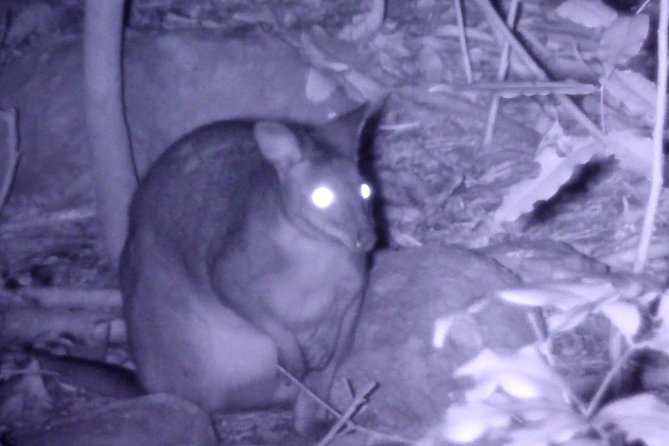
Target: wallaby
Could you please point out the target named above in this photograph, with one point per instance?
(247, 249)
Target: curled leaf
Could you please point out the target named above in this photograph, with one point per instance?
(523, 375)
(442, 327)
(555, 170)
(560, 294)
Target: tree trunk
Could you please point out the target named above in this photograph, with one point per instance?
(109, 139)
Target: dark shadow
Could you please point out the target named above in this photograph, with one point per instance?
(576, 188)
(369, 172)
(624, 5)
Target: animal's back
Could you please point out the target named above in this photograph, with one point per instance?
(196, 189)
(174, 318)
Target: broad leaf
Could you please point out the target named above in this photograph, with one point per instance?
(633, 91)
(523, 375)
(624, 315)
(643, 417)
(634, 151)
(622, 40)
(589, 13)
(469, 422)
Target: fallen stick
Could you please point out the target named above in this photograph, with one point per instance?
(52, 297)
(21, 325)
(346, 422)
(13, 154)
(361, 399)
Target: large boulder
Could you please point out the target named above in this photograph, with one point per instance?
(174, 82)
(409, 291)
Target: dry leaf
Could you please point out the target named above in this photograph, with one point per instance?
(555, 171)
(430, 64)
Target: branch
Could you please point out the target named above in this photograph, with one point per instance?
(502, 71)
(13, 154)
(335, 412)
(498, 24)
(463, 42)
(361, 399)
(658, 139)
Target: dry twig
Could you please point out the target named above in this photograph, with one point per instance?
(463, 41)
(64, 216)
(501, 75)
(361, 399)
(658, 138)
(534, 88)
(349, 424)
(54, 297)
(28, 325)
(498, 24)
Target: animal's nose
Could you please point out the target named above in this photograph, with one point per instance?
(365, 240)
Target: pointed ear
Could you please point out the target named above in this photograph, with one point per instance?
(344, 132)
(278, 144)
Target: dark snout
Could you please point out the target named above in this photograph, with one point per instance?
(365, 239)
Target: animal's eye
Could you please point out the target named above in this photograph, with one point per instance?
(322, 197)
(365, 191)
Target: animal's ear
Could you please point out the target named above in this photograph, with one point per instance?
(278, 144)
(344, 132)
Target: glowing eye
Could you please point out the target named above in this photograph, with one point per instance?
(322, 197)
(365, 191)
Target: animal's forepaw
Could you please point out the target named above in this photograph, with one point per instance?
(317, 355)
(310, 420)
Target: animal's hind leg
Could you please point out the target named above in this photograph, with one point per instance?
(192, 346)
(243, 362)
